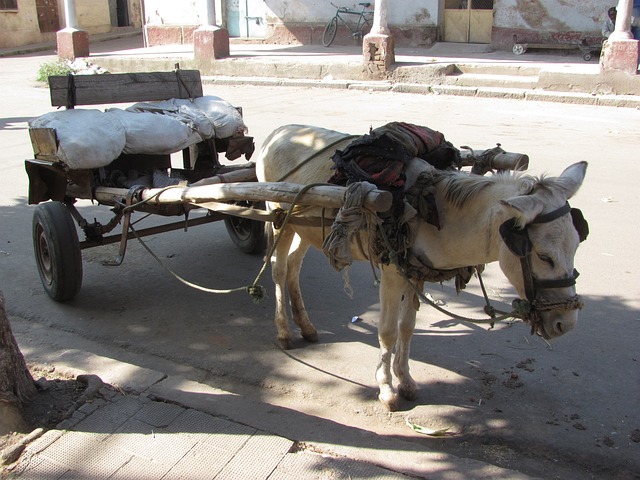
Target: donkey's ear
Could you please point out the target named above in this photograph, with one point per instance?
(571, 179)
(523, 208)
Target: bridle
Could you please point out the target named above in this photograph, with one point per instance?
(519, 243)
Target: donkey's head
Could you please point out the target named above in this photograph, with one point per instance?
(540, 239)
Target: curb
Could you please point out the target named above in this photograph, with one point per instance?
(622, 101)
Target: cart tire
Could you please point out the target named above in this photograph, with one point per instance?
(587, 56)
(248, 235)
(57, 251)
(329, 33)
(518, 49)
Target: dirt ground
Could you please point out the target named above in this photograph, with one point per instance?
(58, 392)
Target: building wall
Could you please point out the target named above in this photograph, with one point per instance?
(412, 22)
(545, 21)
(21, 27)
(172, 22)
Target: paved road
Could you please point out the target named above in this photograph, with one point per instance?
(571, 414)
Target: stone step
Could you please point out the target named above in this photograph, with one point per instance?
(511, 69)
(493, 80)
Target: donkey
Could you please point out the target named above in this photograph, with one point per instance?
(524, 223)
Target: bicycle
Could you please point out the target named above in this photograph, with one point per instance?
(364, 20)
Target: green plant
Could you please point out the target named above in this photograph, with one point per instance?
(56, 67)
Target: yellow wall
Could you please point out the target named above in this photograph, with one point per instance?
(21, 27)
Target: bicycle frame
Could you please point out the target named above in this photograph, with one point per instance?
(364, 19)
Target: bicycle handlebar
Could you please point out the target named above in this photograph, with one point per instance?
(347, 10)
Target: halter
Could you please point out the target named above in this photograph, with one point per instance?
(518, 242)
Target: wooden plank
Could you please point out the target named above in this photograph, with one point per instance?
(328, 196)
(44, 143)
(124, 87)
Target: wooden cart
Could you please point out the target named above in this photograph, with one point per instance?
(586, 50)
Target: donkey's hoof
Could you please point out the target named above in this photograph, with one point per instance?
(389, 401)
(311, 337)
(285, 343)
(408, 391)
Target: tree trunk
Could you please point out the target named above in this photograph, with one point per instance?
(16, 384)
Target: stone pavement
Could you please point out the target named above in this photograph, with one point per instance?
(132, 437)
(145, 425)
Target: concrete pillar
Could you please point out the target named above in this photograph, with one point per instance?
(71, 42)
(210, 41)
(622, 30)
(378, 49)
(621, 52)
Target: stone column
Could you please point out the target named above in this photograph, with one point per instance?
(378, 46)
(71, 41)
(210, 41)
(621, 52)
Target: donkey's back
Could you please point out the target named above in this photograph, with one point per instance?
(287, 149)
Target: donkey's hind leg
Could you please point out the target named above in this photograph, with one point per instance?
(279, 275)
(298, 310)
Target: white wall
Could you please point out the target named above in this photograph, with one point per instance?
(551, 15)
(172, 12)
(401, 12)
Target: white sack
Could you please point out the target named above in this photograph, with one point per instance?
(86, 138)
(182, 110)
(211, 116)
(226, 119)
(153, 133)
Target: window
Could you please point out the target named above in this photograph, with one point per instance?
(8, 4)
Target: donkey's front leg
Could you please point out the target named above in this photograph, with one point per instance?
(395, 302)
(407, 323)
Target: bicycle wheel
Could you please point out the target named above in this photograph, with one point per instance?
(366, 26)
(330, 32)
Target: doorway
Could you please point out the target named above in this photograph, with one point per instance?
(48, 18)
(245, 18)
(119, 13)
(468, 21)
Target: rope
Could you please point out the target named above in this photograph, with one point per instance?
(285, 221)
(251, 289)
(255, 291)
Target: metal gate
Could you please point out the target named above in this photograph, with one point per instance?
(245, 18)
(468, 21)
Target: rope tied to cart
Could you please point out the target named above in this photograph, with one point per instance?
(256, 291)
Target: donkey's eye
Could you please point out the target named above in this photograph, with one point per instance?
(546, 259)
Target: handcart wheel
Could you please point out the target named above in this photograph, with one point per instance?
(57, 250)
(248, 235)
(587, 56)
(518, 49)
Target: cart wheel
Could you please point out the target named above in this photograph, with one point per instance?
(518, 49)
(57, 250)
(587, 56)
(247, 235)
